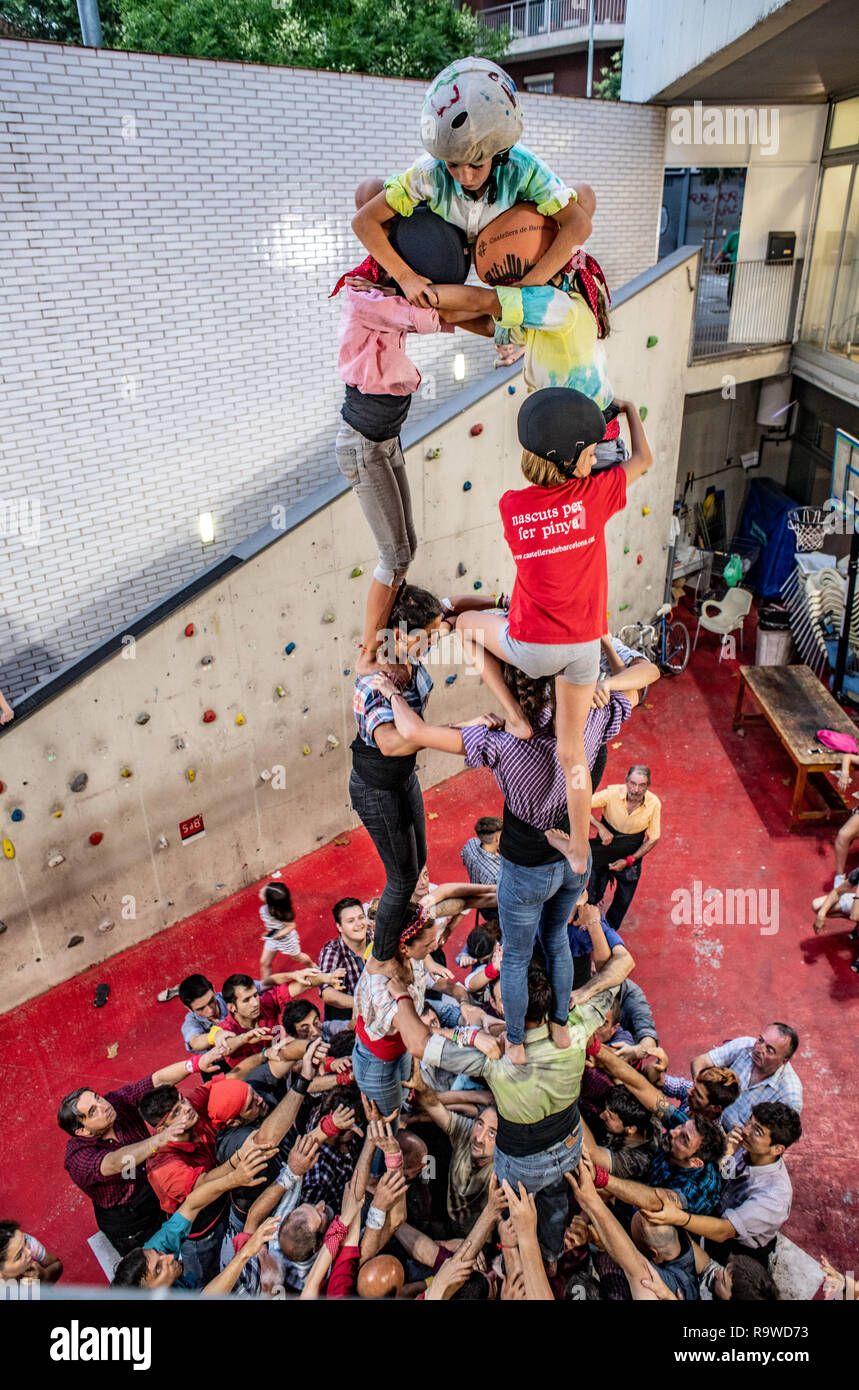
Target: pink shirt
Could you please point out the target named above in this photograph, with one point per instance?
(373, 327)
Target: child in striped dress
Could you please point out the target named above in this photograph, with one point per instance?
(280, 934)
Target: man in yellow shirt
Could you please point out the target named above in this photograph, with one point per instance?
(629, 829)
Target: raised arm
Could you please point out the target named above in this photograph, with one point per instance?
(226, 1281)
(698, 1063)
(277, 1124)
(622, 1074)
(412, 729)
(641, 457)
(614, 1239)
(475, 299)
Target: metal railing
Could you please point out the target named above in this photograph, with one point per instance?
(527, 18)
(742, 306)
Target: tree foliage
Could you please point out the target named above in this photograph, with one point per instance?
(394, 38)
(56, 20)
(608, 86)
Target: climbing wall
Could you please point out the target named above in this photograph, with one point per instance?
(215, 748)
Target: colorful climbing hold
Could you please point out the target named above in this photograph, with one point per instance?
(432, 453)
(2, 786)
(333, 741)
(511, 390)
(265, 775)
(638, 559)
(643, 412)
(78, 783)
(329, 618)
(190, 774)
(143, 718)
(57, 812)
(645, 511)
(306, 749)
(461, 570)
(8, 849)
(449, 680)
(50, 754)
(189, 630)
(126, 772)
(55, 859)
(240, 719)
(476, 429)
(621, 608)
(96, 837)
(74, 941)
(357, 572)
(289, 648)
(626, 550)
(466, 487)
(652, 340)
(206, 660)
(347, 670)
(17, 814)
(279, 691)
(162, 842)
(209, 717)
(478, 584)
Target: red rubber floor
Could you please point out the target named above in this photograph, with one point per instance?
(725, 802)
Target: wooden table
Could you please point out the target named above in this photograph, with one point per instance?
(795, 705)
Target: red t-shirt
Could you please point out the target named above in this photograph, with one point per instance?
(173, 1171)
(271, 1006)
(557, 536)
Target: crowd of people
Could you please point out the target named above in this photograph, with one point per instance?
(378, 1122)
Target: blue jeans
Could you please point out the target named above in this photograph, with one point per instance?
(394, 820)
(201, 1258)
(378, 1080)
(531, 902)
(543, 1174)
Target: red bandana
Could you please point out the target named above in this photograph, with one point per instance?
(369, 269)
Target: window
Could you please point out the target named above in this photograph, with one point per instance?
(844, 125)
(540, 82)
(831, 209)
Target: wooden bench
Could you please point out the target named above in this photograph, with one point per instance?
(795, 705)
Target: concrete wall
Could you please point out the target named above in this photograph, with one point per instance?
(174, 226)
(664, 42)
(282, 595)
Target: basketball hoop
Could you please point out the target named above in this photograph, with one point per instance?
(811, 526)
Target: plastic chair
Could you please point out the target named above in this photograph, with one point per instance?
(726, 616)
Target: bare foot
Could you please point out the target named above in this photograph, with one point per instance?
(518, 727)
(366, 664)
(560, 841)
(516, 1052)
(559, 1033)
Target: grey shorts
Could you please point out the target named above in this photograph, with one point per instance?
(610, 451)
(577, 662)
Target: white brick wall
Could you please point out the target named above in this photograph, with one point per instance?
(171, 230)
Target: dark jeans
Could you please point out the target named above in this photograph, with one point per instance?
(130, 1224)
(201, 1258)
(394, 820)
(626, 882)
(599, 766)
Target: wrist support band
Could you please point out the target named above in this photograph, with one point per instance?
(630, 860)
(491, 971)
(300, 1085)
(600, 1177)
(328, 1126)
(334, 1237)
(375, 1219)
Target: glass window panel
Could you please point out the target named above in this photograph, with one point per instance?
(844, 332)
(844, 130)
(824, 253)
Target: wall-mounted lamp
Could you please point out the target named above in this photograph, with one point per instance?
(459, 367)
(207, 528)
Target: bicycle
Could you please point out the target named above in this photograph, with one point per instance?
(663, 642)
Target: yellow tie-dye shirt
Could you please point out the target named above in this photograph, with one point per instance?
(560, 335)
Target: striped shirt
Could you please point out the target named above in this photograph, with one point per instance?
(85, 1155)
(783, 1085)
(372, 708)
(480, 865)
(528, 771)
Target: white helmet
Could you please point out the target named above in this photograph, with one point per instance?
(470, 113)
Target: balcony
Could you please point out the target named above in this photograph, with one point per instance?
(743, 306)
(556, 26)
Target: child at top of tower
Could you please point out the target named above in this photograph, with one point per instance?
(474, 169)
